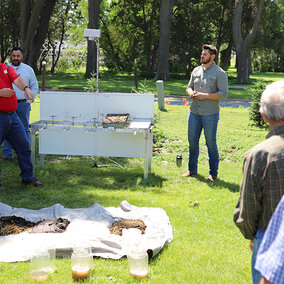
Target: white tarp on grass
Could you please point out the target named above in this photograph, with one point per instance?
(88, 225)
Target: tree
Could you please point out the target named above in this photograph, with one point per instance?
(130, 33)
(94, 10)
(190, 30)
(34, 25)
(9, 31)
(243, 45)
(58, 25)
(222, 23)
(166, 12)
(268, 47)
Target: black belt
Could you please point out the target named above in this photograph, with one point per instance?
(6, 112)
(21, 100)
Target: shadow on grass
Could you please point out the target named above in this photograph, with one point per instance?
(75, 184)
(111, 173)
(233, 187)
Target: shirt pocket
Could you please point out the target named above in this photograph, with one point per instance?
(211, 77)
(211, 80)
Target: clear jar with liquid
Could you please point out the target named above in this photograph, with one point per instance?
(80, 263)
(138, 262)
(39, 266)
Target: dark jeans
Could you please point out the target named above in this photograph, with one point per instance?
(12, 129)
(209, 124)
(23, 111)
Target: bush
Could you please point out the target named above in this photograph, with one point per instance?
(254, 114)
(91, 85)
(62, 65)
(76, 63)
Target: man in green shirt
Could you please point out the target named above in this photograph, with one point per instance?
(207, 86)
(263, 174)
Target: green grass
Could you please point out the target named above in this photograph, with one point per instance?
(123, 82)
(206, 246)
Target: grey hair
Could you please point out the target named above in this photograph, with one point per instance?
(272, 101)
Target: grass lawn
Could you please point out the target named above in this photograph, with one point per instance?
(206, 246)
(123, 82)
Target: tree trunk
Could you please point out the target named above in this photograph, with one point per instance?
(243, 66)
(37, 29)
(188, 66)
(226, 56)
(148, 40)
(166, 12)
(24, 19)
(94, 10)
(243, 45)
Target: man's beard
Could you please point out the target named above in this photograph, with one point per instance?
(16, 62)
(205, 61)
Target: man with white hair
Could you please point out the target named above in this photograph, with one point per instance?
(262, 186)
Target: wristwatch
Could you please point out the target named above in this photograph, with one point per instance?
(26, 87)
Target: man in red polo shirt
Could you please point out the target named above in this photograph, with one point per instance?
(11, 127)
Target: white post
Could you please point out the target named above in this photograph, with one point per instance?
(98, 52)
(160, 92)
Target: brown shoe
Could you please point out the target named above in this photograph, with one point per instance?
(211, 179)
(33, 182)
(188, 174)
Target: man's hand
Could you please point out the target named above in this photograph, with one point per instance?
(28, 94)
(199, 96)
(7, 92)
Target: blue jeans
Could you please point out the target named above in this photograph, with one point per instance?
(209, 124)
(23, 111)
(256, 275)
(12, 129)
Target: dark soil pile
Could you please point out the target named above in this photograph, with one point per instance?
(118, 226)
(15, 225)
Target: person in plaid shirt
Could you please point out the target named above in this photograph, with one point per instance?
(262, 185)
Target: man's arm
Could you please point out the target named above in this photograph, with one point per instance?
(22, 85)
(34, 83)
(190, 87)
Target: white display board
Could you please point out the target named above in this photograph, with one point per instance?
(71, 124)
(67, 106)
(83, 106)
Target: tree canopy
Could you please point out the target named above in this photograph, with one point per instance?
(159, 38)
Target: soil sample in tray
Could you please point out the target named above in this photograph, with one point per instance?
(116, 120)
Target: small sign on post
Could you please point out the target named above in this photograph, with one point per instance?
(160, 92)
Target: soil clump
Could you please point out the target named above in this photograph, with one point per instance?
(118, 226)
(15, 225)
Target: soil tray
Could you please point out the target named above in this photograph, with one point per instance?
(116, 120)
